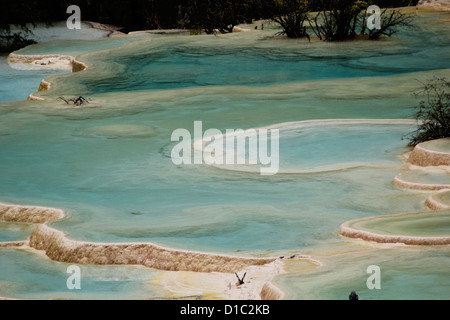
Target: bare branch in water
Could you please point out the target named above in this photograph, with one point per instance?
(78, 101)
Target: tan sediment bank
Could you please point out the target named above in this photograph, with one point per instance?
(423, 156)
(43, 86)
(8, 244)
(419, 156)
(29, 214)
(50, 60)
(434, 202)
(348, 230)
(59, 248)
(426, 156)
(270, 292)
(44, 60)
(438, 5)
(188, 265)
(398, 180)
(216, 285)
(258, 281)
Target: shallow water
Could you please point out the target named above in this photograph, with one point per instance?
(36, 277)
(15, 231)
(429, 176)
(29, 80)
(418, 224)
(108, 164)
(406, 273)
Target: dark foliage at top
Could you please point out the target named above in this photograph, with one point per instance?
(208, 15)
(13, 41)
(138, 14)
(317, 5)
(212, 15)
(338, 19)
(346, 19)
(152, 14)
(291, 15)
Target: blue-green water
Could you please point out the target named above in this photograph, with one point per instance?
(108, 164)
(15, 231)
(176, 63)
(38, 278)
(19, 80)
(405, 274)
(29, 80)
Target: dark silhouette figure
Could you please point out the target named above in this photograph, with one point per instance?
(353, 296)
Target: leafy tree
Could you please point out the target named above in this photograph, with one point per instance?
(338, 18)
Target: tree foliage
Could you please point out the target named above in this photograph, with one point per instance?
(433, 113)
(291, 15)
(23, 15)
(340, 20)
(215, 16)
(391, 20)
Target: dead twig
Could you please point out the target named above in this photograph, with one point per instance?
(78, 101)
(241, 281)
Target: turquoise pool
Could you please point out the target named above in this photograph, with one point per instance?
(108, 163)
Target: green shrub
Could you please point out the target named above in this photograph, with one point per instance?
(433, 113)
(291, 15)
(338, 19)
